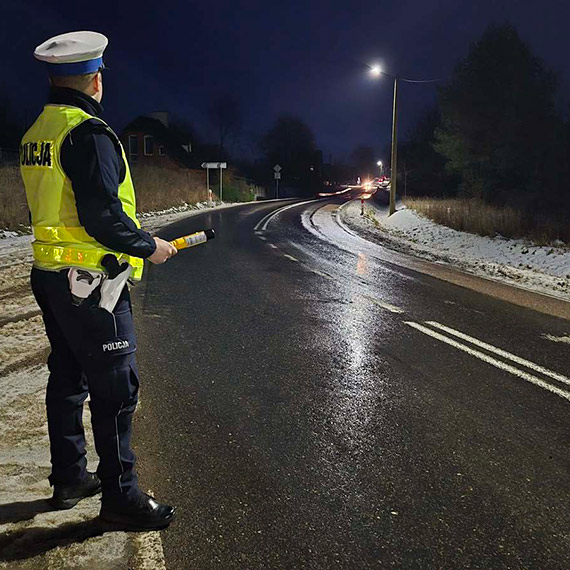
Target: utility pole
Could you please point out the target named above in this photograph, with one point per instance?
(394, 164)
(376, 71)
(221, 189)
(208, 191)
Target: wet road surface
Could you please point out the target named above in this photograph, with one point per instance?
(307, 402)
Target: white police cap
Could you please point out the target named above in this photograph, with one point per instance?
(75, 53)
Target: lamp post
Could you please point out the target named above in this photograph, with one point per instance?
(379, 163)
(376, 71)
(394, 159)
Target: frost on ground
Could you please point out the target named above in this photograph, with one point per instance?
(545, 269)
(31, 535)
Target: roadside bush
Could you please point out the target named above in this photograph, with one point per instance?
(161, 188)
(237, 189)
(475, 216)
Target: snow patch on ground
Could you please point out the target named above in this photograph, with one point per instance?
(33, 536)
(153, 221)
(545, 269)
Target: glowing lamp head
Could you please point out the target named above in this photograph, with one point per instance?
(375, 71)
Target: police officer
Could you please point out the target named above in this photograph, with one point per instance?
(82, 204)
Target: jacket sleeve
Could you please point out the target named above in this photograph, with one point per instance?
(90, 160)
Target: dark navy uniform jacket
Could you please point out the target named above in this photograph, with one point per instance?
(92, 159)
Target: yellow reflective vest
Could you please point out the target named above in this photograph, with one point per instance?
(60, 240)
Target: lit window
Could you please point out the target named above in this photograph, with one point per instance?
(133, 147)
(148, 145)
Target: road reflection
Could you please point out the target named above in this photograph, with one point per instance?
(356, 425)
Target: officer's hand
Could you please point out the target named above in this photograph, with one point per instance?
(163, 251)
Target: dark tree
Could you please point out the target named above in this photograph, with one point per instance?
(10, 132)
(338, 173)
(364, 160)
(225, 115)
(422, 168)
(183, 131)
(500, 131)
(291, 144)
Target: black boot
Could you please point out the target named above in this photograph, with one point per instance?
(67, 496)
(141, 513)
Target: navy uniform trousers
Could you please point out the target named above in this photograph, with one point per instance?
(92, 352)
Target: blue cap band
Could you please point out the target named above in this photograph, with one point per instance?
(79, 68)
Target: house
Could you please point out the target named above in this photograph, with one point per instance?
(148, 140)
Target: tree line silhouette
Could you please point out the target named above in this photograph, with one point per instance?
(496, 133)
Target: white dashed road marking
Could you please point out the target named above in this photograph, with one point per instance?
(564, 339)
(321, 274)
(387, 306)
(290, 257)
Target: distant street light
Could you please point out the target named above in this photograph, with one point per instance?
(376, 71)
(379, 163)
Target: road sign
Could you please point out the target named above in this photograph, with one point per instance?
(277, 168)
(214, 165)
(277, 175)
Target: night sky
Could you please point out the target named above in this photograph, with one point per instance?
(305, 58)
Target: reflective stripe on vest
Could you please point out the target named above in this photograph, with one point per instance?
(76, 256)
(60, 240)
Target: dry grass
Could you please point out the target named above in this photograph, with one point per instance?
(13, 205)
(161, 188)
(156, 189)
(475, 216)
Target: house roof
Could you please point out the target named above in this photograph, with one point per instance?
(166, 136)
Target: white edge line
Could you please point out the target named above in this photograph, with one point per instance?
(503, 353)
(262, 224)
(489, 360)
(149, 551)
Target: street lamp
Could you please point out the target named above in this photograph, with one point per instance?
(379, 163)
(376, 71)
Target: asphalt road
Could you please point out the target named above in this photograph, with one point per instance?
(307, 402)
